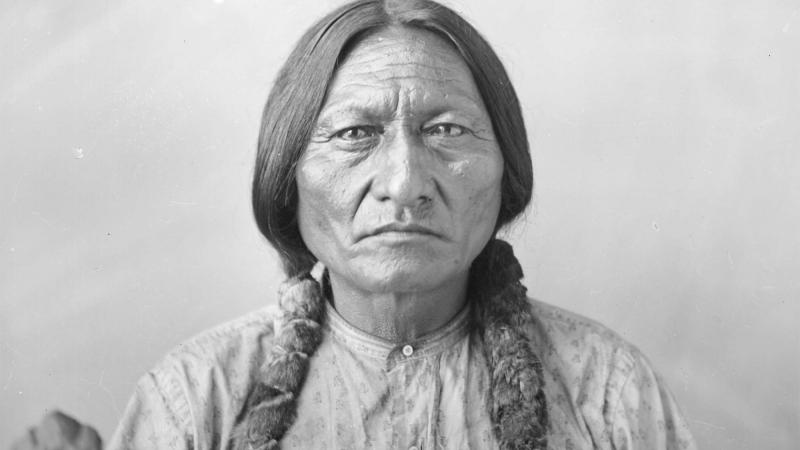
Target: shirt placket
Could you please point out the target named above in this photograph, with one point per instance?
(403, 370)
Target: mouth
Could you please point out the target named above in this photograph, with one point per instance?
(400, 229)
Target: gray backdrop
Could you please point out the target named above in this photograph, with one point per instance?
(667, 205)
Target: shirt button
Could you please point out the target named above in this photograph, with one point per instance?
(413, 447)
(408, 351)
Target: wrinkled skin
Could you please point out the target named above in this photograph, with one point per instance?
(399, 188)
(58, 431)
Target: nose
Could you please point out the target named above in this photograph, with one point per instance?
(404, 173)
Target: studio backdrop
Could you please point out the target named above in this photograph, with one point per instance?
(667, 203)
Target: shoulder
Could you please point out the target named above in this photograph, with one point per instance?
(586, 360)
(598, 381)
(575, 340)
(211, 373)
(192, 396)
(229, 350)
(228, 342)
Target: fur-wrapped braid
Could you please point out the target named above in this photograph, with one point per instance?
(271, 406)
(500, 314)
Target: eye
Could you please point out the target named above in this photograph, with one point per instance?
(356, 133)
(446, 130)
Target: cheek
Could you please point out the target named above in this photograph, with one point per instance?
(479, 190)
(316, 201)
(323, 199)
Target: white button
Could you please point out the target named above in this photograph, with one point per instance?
(408, 351)
(413, 447)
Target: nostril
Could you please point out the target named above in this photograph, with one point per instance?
(403, 177)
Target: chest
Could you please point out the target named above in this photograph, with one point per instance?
(350, 400)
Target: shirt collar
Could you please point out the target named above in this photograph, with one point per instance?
(365, 344)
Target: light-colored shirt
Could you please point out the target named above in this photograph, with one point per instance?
(364, 392)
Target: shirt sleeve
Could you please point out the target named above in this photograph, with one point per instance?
(157, 416)
(646, 416)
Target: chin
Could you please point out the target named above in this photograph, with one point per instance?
(406, 275)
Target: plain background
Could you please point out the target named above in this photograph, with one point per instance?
(667, 205)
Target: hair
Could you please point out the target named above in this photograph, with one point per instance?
(299, 93)
(501, 320)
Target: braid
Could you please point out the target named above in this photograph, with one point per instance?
(500, 316)
(271, 406)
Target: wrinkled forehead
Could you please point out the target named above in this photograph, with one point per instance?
(400, 56)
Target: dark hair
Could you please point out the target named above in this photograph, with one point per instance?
(299, 93)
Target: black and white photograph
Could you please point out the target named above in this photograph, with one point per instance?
(399, 224)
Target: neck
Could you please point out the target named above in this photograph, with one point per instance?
(399, 316)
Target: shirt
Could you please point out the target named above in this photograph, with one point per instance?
(364, 392)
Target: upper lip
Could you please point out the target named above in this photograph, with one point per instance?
(402, 228)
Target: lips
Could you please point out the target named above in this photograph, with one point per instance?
(409, 228)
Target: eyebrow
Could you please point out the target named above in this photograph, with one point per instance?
(372, 108)
(328, 115)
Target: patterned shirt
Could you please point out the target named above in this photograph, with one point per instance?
(364, 392)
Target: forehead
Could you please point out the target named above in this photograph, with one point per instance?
(404, 58)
